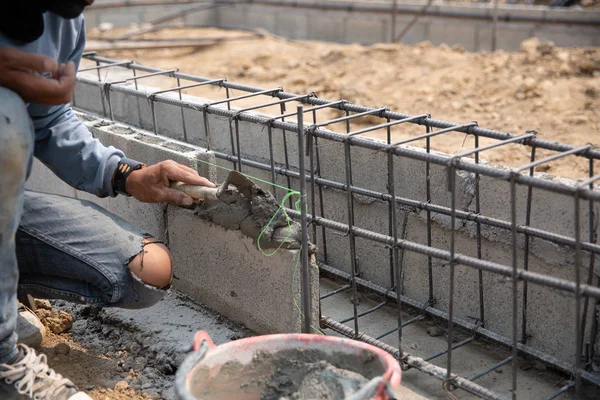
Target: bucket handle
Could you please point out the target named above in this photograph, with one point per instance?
(202, 336)
(202, 345)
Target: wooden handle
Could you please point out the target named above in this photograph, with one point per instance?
(196, 192)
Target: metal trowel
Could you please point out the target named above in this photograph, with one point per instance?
(201, 193)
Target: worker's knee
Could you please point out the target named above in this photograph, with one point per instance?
(152, 275)
(153, 265)
(16, 137)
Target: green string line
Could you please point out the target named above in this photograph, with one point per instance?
(281, 208)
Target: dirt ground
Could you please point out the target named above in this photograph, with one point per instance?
(555, 91)
(115, 354)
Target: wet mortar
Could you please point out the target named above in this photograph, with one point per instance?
(295, 374)
(245, 206)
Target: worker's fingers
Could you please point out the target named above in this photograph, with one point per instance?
(167, 195)
(185, 167)
(37, 89)
(171, 171)
(20, 60)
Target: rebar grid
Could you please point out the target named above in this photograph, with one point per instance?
(395, 239)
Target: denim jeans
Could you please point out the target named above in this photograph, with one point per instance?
(54, 246)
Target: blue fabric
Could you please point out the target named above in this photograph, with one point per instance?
(62, 142)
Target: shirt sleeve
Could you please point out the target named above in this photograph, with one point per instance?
(67, 147)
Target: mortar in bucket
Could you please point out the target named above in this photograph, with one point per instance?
(287, 366)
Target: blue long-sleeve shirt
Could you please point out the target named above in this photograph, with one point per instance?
(62, 142)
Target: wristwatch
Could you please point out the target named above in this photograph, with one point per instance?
(124, 168)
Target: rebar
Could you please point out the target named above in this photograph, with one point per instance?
(400, 206)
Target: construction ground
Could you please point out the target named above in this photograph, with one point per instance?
(119, 354)
(555, 91)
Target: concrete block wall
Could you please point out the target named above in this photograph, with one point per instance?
(550, 212)
(222, 269)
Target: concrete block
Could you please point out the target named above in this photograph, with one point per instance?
(42, 179)
(88, 97)
(148, 218)
(225, 271)
(150, 149)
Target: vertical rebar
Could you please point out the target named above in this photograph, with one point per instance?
(351, 239)
(285, 152)
(515, 352)
(230, 128)
(452, 188)
(271, 158)
(306, 293)
(479, 251)
(428, 194)
(207, 128)
(592, 239)
(238, 151)
(185, 138)
(578, 342)
(313, 202)
(391, 208)
(526, 253)
(395, 265)
(321, 205)
(101, 92)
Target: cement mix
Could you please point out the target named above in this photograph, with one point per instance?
(293, 374)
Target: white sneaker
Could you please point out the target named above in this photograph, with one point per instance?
(30, 377)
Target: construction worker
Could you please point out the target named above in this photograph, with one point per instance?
(52, 246)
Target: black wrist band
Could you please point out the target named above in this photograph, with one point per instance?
(124, 168)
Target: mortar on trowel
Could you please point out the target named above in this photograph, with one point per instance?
(240, 204)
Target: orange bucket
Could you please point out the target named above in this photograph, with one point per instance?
(277, 366)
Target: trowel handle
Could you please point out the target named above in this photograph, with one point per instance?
(196, 192)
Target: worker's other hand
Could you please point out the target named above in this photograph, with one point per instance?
(22, 73)
(151, 184)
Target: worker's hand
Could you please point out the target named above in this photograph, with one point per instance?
(22, 72)
(151, 184)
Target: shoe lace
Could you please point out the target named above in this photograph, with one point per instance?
(33, 377)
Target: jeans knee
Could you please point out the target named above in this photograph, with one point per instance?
(153, 265)
(16, 135)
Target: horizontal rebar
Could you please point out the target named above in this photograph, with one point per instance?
(347, 106)
(348, 117)
(463, 215)
(389, 124)
(456, 128)
(137, 78)
(414, 362)
(193, 85)
(494, 145)
(464, 324)
(484, 265)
